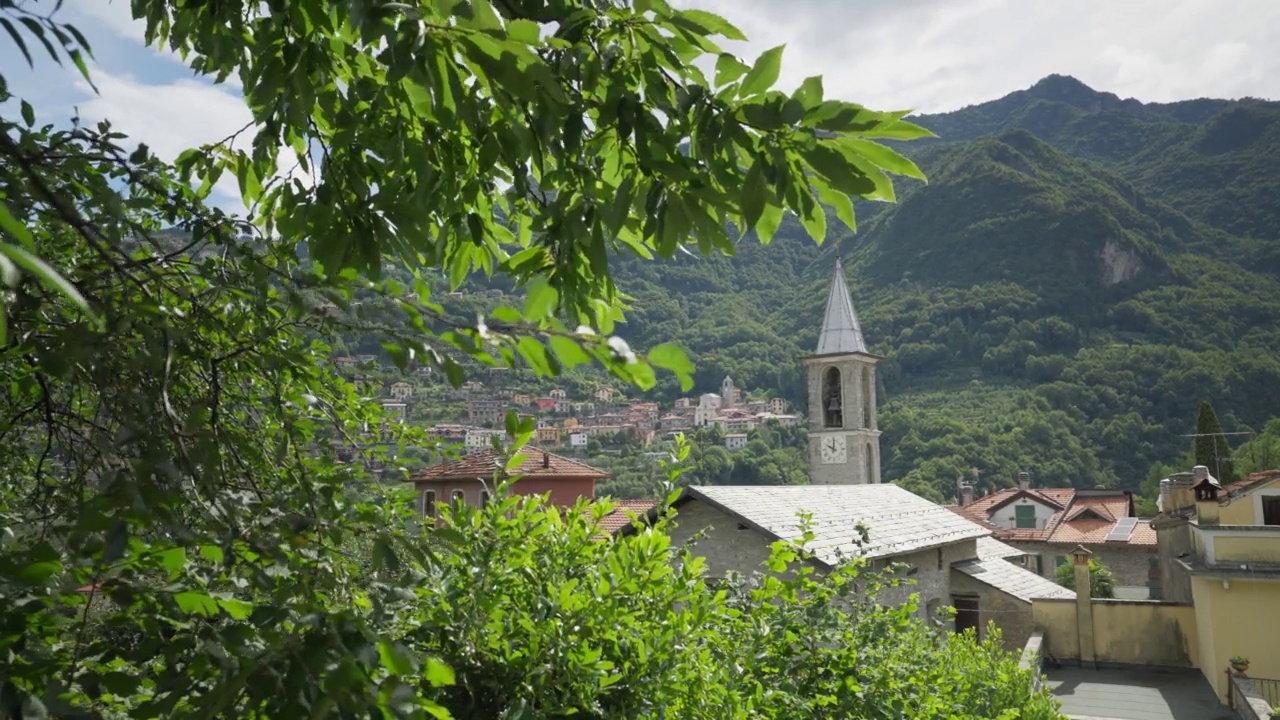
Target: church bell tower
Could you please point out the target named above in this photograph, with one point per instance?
(844, 440)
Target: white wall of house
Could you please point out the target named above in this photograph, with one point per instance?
(1006, 516)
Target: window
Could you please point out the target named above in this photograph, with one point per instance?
(832, 402)
(1060, 561)
(458, 496)
(484, 498)
(1024, 516)
(1038, 564)
(939, 558)
(428, 503)
(867, 398)
(1271, 509)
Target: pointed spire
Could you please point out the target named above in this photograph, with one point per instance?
(841, 332)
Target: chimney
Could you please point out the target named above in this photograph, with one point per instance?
(1205, 487)
(966, 494)
(1024, 480)
(1180, 494)
(546, 460)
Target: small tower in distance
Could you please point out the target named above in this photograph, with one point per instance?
(726, 391)
(844, 439)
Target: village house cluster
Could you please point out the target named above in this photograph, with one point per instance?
(571, 422)
(1195, 587)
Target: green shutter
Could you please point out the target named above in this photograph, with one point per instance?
(1025, 516)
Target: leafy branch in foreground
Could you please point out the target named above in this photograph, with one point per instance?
(180, 536)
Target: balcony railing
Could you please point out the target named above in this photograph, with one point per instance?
(1253, 698)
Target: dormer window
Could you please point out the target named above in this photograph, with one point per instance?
(1024, 516)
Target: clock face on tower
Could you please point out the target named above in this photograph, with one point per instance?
(832, 450)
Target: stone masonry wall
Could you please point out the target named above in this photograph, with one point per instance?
(1011, 615)
(1175, 541)
(1130, 564)
(724, 546)
(727, 547)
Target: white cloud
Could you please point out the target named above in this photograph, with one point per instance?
(931, 55)
(937, 55)
(173, 117)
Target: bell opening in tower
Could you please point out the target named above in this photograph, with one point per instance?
(866, 397)
(832, 409)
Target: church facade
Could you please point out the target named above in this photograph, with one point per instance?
(844, 438)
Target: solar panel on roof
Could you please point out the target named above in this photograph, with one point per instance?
(1122, 530)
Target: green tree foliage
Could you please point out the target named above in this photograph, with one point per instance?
(1261, 452)
(1102, 583)
(538, 618)
(774, 455)
(1210, 445)
(188, 526)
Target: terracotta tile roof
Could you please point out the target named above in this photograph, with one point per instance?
(621, 515)
(978, 517)
(1095, 509)
(1082, 516)
(536, 463)
(1240, 486)
(1143, 534)
(1082, 531)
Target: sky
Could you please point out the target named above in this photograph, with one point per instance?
(927, 55)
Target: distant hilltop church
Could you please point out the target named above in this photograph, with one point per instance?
(844, 439)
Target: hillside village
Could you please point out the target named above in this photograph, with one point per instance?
(565, 421)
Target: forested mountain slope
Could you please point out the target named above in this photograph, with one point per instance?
(1079, 273)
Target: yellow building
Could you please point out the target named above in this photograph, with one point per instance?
(1222, 548)
(548, 435)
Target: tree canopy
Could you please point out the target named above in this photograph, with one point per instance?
(187, 525)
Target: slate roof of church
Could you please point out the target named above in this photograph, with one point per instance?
(536, 463)
(1013, 580)
(841, 332)
(990, 548)
(897, 520)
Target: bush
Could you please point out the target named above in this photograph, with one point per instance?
(539, 617)
(1101, 582)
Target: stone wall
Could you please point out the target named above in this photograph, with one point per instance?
(1125, 632)
(726, 545)
(1010, 614)
(1174, 540)
(932, 578)
(1057, 618)
(1130, 564)
(1144, 632)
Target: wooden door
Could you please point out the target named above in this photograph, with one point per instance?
(966, 614)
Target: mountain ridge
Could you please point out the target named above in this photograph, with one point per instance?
(1055, 297)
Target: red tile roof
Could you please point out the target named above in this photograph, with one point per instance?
(1240, 486)
(622, 513)
(1080, 517)
(536, 463)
